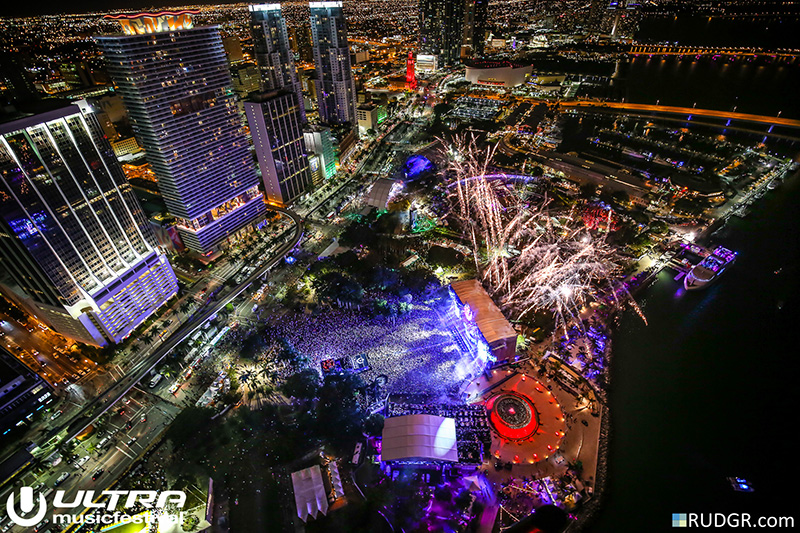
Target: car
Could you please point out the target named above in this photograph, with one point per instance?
(56, 414)
(126, 401)
(129, 424)
(121, 412)
(97, 474)
(41, 525)
(60, 479)
(131, 441)
(82, 461)
(144, 419)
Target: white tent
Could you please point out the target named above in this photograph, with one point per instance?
(378, 195)
(309, 493)
(336, 480)
(419, 437)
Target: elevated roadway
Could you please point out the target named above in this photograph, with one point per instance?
(686, 111)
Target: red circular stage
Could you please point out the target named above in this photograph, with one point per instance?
(513, 415)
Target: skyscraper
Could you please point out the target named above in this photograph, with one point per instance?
(276, 126)
(319, 142)
(336, 91)
(475, 15)
(273, 51)
(73, 239)
(175, 82)
(441, 32)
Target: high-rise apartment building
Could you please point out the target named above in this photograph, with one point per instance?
(76, 247)
(320, 143)
(336, 91)
(441, 32)
(276, 126)
(175, 82)
(273, 51)
(474, 34)
(245, 79)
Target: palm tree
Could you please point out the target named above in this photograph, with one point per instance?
(245, 375)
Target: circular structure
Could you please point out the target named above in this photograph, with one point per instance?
(417, 166)
(513, 416)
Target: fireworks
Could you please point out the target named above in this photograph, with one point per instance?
(529, 258)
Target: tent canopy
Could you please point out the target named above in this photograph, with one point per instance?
(309, 493)
(419, 437)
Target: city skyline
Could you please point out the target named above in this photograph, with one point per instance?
(371, 266)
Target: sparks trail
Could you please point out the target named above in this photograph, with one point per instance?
(529, 258)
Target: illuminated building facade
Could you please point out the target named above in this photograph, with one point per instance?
(22, 394)
(319, 142)
(441, 29)
(273, 51)
(474, 35)
(335, 87)
(411, 73)
(176, 86)
(74, 241)
(275, 123)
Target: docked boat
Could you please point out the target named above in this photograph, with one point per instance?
(740, 484)
(709, 269)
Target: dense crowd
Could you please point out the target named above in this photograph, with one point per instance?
(417, 353)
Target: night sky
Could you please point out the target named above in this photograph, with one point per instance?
(47, 7)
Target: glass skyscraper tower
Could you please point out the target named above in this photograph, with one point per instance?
(77, 248)
(175, 83)
(336, 90)
(441, 32)
(273, 52)
(276, 116)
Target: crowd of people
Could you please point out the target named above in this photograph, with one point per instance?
(418, 353)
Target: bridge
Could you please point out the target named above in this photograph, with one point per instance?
(686, 111)
(787, 55)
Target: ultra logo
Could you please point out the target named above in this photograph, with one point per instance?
(85, 498)
(26, 505)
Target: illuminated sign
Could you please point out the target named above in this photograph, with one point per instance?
(143, 23)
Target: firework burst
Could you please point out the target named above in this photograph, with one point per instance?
(531, 259)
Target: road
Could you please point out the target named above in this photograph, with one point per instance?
(147, 415)
(673, 110)
(92, 410)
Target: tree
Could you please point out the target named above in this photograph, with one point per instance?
(441, 109)
(588, 190)
(659, 227)
(373, 425)
(183, 428)
(621, 198)
(302, 385)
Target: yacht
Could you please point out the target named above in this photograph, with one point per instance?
(709, 269)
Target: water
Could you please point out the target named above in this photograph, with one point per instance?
(749, 86)
(752, 85)
(695, 30)
(707, 390)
